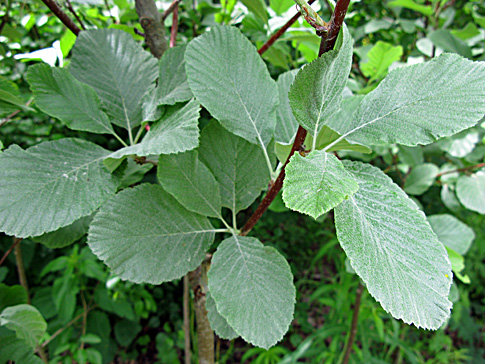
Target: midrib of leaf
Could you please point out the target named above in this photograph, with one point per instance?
(181, 233)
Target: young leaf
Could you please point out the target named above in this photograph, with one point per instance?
(286, 124)
(252, 286)
(60, 95)
(176, 132)
(190, 182)
(421, 103)
(380, 57)
(421, 178)
(452, 232)
(144, 235)
(237, 165)
(229, 78)
(217, 322)
(317, 183)
(51, 185)
(317, 91)
(470, 190)
(26, 321)
(100, 60)
(393, 249)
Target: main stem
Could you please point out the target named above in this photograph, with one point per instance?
(353, 328)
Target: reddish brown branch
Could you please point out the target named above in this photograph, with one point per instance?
(71, 9)
(12, 247)
(170, 9)
(480, 165)
(353, 328)
(52, 5)
(335, 24)
(175, 24)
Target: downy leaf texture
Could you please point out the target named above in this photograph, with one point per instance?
(253, 289)
(144, 235)
(452, 232)
(217, 322)
(286, 124)
(470, 190)
(392, 247)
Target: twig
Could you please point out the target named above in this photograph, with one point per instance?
(334, 25)
(175, 24)
(480, 165)
(21, 268)
(12, 115)
(353, 328)
(169, 10)
(15, 243)
(110, 13)
(73, 12)
(62, 16)
(280, 31)
(186, 305)
(153, 26)
(85, 317)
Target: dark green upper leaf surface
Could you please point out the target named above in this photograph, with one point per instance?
(144, 235)
(51, 185)
(59, 94)
(66, 235)
(253, 289)
(229, 78)
(317, 91)
(118, 69)
(12, 295)
(13, 348)
(393, 249)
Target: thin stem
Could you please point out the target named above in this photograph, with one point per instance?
(15, 243)
(85, 317)
(169, 10)
(138, 134)
(175, 24)
(130, 135)
(308, 11)
(119, 139)
(21, 269)
(52, 5)
(334, 25)
(9, 117)
(73, 12)
(353, 328)
(480, 165)
(109, 11)
(234, 220)
(268, 161)
(186, 307)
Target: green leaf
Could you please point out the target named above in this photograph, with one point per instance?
(65, 236)
(258, 8)
(134, 173)
(7, 97)
(12, 348)
(421, 178)
(410, 4)
(281, 6)
(11, 295)
(421, 103)
(60, 95)
(379, 58)
(237, 165)
(239, 93)
(470, 190)
(26, 321)
(126, 331)
(51, 185)
(461, 144)
(176, 132)
(411, 156)
(11, 88)
(252, 286)
(286, 124)
(443, 39)
(190, 182)
(317, 183)
(317, 91)
(217, 322)
(144, 235)
(452, 232)
(100, 60)
(469, 31)
(393, 249)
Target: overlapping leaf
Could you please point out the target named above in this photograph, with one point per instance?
(452, 232)
(286, 124)
(217, 322)
(470, 190)
(26, 321)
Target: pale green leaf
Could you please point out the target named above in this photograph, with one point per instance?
(59, 94)
(217, 322)
(281, 6)
(66, 235)
(317, 183)
(286, 124)
(410, 4)
(239, 93)
(449, 199)
(317, 91)
(421, 178)
(100, 60)
(176, 132)
(469, 31)
(190, 182)
(379, 58)
(452, 232)
(411, 156)
(470, 190)
(26, 321)
(421, 103)
(252, 286)
(443, 39)
(144, 235)
(13, 348)
(258, 8)
(393, 249)
(51, 185)
(461, 144)
(237, 165)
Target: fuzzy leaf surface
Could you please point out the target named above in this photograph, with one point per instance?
(144, 235)
(470, 190)
(100, 60)
(239, 93)
(317, 183)
(217, 322)
(286, 124)
(51, 185)
(66, 235)
(26, 321)
(392, 247)
(252, 286)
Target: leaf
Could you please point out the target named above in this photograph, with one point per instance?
(66, 235)
(9, 87)
(452, 232)
(11, 295)
(51, 185)
(421, 103)
(100, 60)
(60, 95)
(421, 178)
(443, 39)
(176, 132)
(461, 144)
(6, 97)
(379, 59)
(393, 249)
(240, 94)
(286, 124)
(317, 91)
(410, 4)
(411, 156)
(237, 165)
(471, 192)
(12, 348)
(26, 321)
(217, 322)
(144, 235)
(316, 184)
(252, 286)
(190, 182)
(258, 8)
(280, 6)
